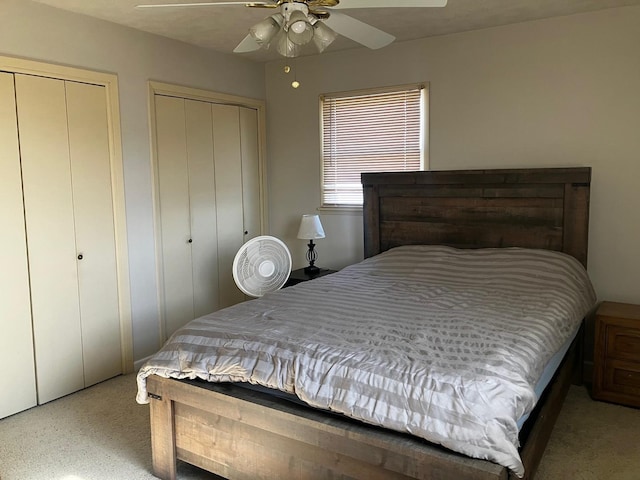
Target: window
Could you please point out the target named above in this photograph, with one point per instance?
(380, 130)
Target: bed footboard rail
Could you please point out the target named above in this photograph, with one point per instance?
(242, 434)
(163, 435)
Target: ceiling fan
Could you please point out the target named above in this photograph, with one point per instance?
(300, 23)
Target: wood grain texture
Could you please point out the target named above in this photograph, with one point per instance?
(239, 433)
(544, 208)
(242, 434)
(163, 447)
(616, 375)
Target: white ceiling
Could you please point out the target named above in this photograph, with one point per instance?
(221, 28)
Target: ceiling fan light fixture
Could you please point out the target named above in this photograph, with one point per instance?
(298, 21)
(284, 46)
(266, 30)
(323, 36)
(300, 30)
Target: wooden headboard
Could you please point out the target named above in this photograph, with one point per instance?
(545, 208)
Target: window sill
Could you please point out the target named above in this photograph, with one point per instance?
(350, 210)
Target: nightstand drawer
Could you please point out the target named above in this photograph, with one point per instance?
(622, 341)
(622, 377)
(616, 374)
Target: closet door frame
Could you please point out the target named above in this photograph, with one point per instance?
(171, 90)
(110, 83)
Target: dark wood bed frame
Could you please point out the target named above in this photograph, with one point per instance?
(241, 434)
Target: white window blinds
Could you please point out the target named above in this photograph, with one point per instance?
(369, 132)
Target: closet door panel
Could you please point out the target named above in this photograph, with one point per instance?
(173, 184)
(48, 202)
(228, 165)
(95, 232)
(204, 249)
(15, 308)
(250, 172)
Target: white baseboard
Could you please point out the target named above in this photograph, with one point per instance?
(138, 363)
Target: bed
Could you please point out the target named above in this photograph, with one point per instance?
(245, 433)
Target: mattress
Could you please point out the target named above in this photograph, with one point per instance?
(444, 344)
(543, 382)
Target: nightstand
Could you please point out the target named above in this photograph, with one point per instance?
(298, 276)
(616, 375)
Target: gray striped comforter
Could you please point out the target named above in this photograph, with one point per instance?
(442, 343)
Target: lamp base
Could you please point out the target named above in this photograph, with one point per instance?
(311, 270)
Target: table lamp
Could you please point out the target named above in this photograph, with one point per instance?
(310, 229)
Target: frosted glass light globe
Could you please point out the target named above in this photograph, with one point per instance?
(299, 26)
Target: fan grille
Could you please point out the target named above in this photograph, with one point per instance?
(262, 265)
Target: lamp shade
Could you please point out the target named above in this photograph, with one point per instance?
(310, 228)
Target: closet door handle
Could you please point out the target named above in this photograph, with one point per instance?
(190, 240)
(80, 257)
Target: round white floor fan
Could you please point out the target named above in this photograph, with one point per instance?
(262, 265)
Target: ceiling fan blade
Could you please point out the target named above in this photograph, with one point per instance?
(344, 4)
(248, 44)
(208, 4)
(358, 31)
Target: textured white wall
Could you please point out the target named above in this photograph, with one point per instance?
(547, 93)
(38, 32)
(556, 92)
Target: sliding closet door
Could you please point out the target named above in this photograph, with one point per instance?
(251, 191)
(17, 382)
(48, 202)
(202, 193)
(228, 164)
(95, 232)
(175, 217)
(68, 204)
(209, 195)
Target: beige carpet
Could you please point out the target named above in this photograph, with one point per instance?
(102, 434)
(593, 441)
